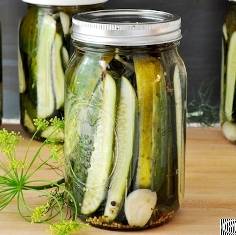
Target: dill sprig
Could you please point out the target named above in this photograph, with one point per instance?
(18, 177)
(66, 227)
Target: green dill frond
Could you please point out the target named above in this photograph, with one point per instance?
(41, 124)
(16, 164)
(39, 213)
(8, 141)
(56, 150)
(66, 227)
(18, 177)
(57, 123)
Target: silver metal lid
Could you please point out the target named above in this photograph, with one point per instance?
(64, 2)
(126, 27)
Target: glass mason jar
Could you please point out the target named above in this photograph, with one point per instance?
(125, 111)
(228, 74)
(44, 48)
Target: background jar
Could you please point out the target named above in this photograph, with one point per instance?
(125, 112)
(44, 48)
(228, 88)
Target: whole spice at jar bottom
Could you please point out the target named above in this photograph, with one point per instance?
(100, 222)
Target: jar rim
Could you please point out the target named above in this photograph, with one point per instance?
(126, 27)
(64, 2)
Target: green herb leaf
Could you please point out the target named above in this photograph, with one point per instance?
(66, 227)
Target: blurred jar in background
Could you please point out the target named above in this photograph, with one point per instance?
(44, 45)
(228, 74)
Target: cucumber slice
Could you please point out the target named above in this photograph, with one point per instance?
(159, 127)
(225, 33)
(230, 78)
(28, 123)
(58, 72)
(21, 72)
(45, 97)
(179, 132)
(139, 206)
(146, 68)
(52, 134)
(101, 159)
(229, 130)
(65, 57)
(29, 113)
(65, 22)
(84, 81)
(222, 100)
(81, 120)
(125, 132)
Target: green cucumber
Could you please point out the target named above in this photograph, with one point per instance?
(28, 41)
(230, 78)
(65, 57)
(146, 69)
(52, 134)
(229, 130)
(83, 83)
(225, 33)
(222, 100)
(65, 22)
(45, 96)
(179, 132)
(159, 127)
(29, 114)
(58, 72)
(125, 134)
(21, 72)
(81, 125)
(28, 122)
(101, 159)
(85, 78)
(37, 35)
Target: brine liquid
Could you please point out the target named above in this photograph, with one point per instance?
(147, 133)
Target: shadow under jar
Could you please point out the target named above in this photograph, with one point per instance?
(44, 48)
(228, 74)
(125, 111)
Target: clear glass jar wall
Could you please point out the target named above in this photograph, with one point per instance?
(125, 134)
(44, 48)
(228, 88)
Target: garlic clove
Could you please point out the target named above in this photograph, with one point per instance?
(139, 206)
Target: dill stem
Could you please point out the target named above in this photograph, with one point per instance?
(44, 187)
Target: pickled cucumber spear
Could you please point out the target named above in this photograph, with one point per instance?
(101, 159)
(125, 134)
(179, 132)
(147, 71)
(41, 51)
(230, 78)
(159, 128)
(36, 44)
(58, 75)
(223, 82)
(21, 74)
(45, 96)
(81, 114)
